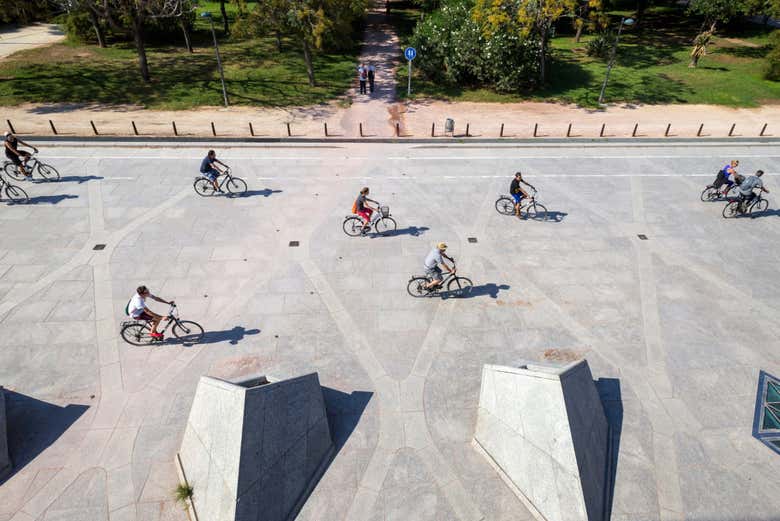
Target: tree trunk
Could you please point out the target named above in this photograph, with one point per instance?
(309, 64)
(543, 58)
(187, 41)
(579, 33)
(278, 41)
(224, 16)
(140, 46)
(98, 30)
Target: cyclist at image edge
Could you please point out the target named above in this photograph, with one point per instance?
(210, 170)
(18, 157)
(752, 182)
(137, 309)
(727, 176)
(433, 261)
(517, 191)
(363, 209)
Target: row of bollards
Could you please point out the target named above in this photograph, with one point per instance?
(450, 130)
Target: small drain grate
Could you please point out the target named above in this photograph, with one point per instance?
(99, 247)
(472, 239)
(642, 237)
(294, 244)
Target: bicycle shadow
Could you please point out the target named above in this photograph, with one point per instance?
(485, 290)
(266, 192)
(78, 178)
(414, 231)
(765, 213)
(51, 199)
(232, 336)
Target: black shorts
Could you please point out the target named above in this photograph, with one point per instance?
(16, 159)
(720, 180)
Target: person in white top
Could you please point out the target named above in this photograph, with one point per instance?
(432, 262)
(138, 310)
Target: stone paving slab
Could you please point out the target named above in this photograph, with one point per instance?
(681, 322)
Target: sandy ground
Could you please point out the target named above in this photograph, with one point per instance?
(414, 119)
(13, 39)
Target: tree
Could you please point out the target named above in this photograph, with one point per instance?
(22, 11)
(525, 17)
(712, 12)
(226, 26)
(90, 8)
(590, 14)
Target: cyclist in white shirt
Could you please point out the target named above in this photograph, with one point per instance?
(137, 309)
(432, 262)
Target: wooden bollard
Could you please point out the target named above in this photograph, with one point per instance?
(568, 131)
(668, 128)
(53, 128)
(289, 132)
(761, 134)
(11, 127)
(213, 129)
(701, 127)
(94, 129)
(536, 127)
(360, 127)
(175, 131)
(397, 129)
(433, 129)
(603, 127)
(326, 129)
(251, 130)
(135, 130)
(501, 133)
(731, 132)
(467, 129)
(636, 127)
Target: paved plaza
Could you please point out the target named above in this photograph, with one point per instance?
(675, 328)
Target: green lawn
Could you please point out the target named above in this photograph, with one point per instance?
(255, 74)
(652, 67)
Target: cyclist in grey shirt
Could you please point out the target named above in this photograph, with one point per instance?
(748, 185)
(432, 262)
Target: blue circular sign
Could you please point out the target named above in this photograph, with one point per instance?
(410, 53)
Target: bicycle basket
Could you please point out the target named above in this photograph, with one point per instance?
(385, 211)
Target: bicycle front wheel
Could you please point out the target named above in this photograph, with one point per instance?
(203, 187)
(505, 206)
(759, 207)
(709, 194)
(460, 285)
(12, 170)
(48, 172)
(353, 226)
(386, 225)
(731, 210)
(537, 212)
(16, 194)
(416, 287)
(188, 332)
(137, 334)
(236, 186)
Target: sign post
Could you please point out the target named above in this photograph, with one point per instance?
(411, 54)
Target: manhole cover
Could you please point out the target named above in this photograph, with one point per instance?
(642, 237)
(472, 239)
(99, 247)
(294, 244)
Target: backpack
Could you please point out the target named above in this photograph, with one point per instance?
(127, 307)
(354, 206)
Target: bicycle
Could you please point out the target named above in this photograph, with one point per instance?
(139, 332)
(234, 185)
(13, 192)
(505, 205)
(456, 285)
(48, 172)
(737, 207)
(381, 221)
(710, 193)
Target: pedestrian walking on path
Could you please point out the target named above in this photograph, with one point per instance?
(362, 77)
(371, 74)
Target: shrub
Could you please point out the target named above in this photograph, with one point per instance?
(601, 45)
(772, 66)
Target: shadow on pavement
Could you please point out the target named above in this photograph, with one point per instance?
(34, 425)
(414, 231)
(232, 336)
(51, 199)
(485, 290)
(266, 192)
(79, 178)
(344, 412)
(611, 399)
(555, 217)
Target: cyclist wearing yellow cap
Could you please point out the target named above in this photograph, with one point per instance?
(432, 262)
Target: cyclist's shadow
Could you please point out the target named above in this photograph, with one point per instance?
(232, 336)
(485, 290)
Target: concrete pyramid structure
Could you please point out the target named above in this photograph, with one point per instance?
(253, 449)
(544, 429)
(5, 459)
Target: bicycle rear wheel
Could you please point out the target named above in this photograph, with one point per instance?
(137, 334)
(203, 187)
(188, 332)
(16, 194)
(236, 186)
(12, 171)
(709, 194)
(48, 172)
(731, 210)
(536, 211)
(460, 286)
(416, 287)
(353, 226)
(386, 225)
(505, 206)
(759, 207)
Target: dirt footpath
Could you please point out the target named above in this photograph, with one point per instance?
(13, 39)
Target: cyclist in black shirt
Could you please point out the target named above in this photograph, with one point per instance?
(517, 192)
(18, 157)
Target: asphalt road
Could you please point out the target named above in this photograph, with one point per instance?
(681, 322)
